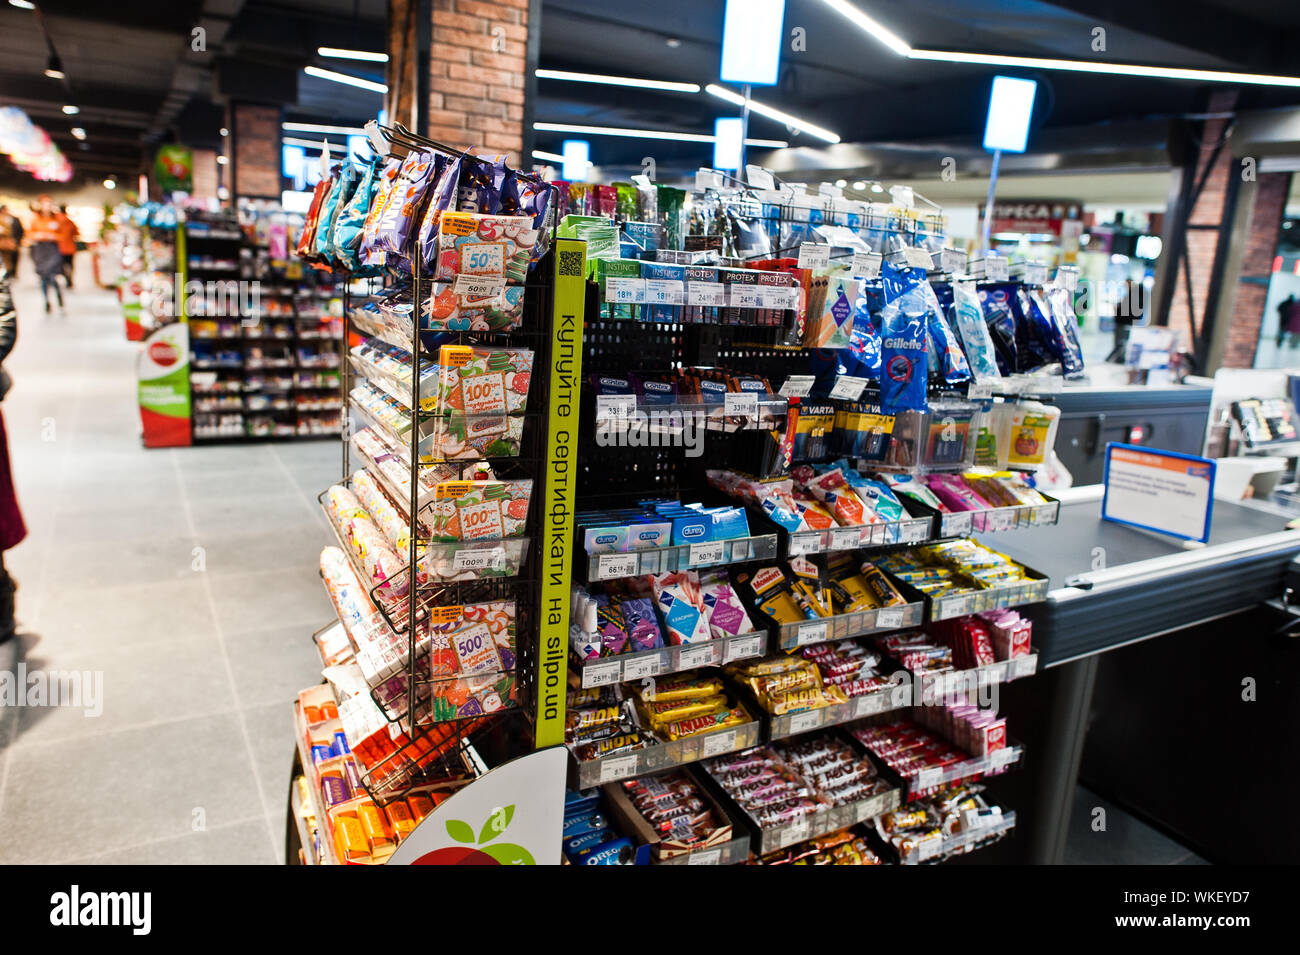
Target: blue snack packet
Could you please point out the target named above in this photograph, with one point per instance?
(951, 363)
(902, 343)
(1001, 321)
(863, 357)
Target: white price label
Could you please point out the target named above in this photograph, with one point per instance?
(846, 538)
(1022, 666)
(688, 658)
(979, 389)
(602, 674)
(996, 268)
(745, 296)
(1068, 279)
(715, 744)
(1000, 520)
(774, 297)
(805, 721)
(866, 265)
(797, 831)
(705, 857)
(916, 258)
(929, 778)
(814, 255)
(804, 544)
(614, 406)
(889, 618)
(616, 565)
(1035, 273)
(706, 293)
(665, 292)
(478, 286)
(797, 386)
(928, 848)
(622, 767)
(739, 551)
(955, 607)
(993, 673)
(709, 552)
(956, 524)
(638, 668)
(478, 559)
(740, 403)
(870, 704)
(913, 533)
(740, 648)
(624, 291)
(1001, 757)
(952, 261)
(848, 387)
(813, 633)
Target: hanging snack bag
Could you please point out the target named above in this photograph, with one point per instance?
(952, 366)
(442, 197)
(393, 231)
(974, 332)
(995, 302)
(902, 345)
(337, 201)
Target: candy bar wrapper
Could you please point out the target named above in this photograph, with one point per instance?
(680, 686)
(442, 196)
(727, 616)
(658, 714)
(485, 246)
(480, 510)
(342, 506)
(642, 624)
(706, 724)
(611, 625)
(393, 230)
(480, 380)
(394, 525)
(681, 603)
(446, 310)
(350, 599)
(470, 437)
(386, 181)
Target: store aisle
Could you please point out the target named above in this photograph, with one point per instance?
(183, 582)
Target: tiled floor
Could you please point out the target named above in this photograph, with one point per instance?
(200, 651)
(1124, 839)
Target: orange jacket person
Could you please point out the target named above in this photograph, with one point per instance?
(67, 241)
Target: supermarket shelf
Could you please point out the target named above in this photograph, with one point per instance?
(827, 820)
(313, 790)
(995, 519)
(991, 598)
(658, 560)
(911, 531)
(668, 755)
(739, 412)
(648, 663)
(936, 850)
(883, 700)
(996, 762)
(861, 623)
(733, 852)
(952, 682)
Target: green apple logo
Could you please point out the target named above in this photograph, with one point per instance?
(501, 853)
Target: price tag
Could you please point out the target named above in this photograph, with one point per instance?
(709, 552)
(1035, 273)
(956, 524)
(952, 261)
(706, 293)
(814, 255)
(1068, 279)
(602, 674)
(929, 778)
(622, 767)
(870, 704)
(812, 633)
(776, 297)
(624, 291)
(1001, 757)
(916, 258)
(889, 618)
(745, 296)
(804, 544)
(707, 179)
(846, 538)
(797, 386)
(715, 744)
(739, 550)
(797, 831)
(702, 656)
(705, 857)
(478, 559)
(848, 387)
(614, 406)
(664, 292)
(955, 607)
(638, 668)
(1018, 667)
(913, 533)
(478, 286)
(740, 648)
(866, 265)
(927, 849)
(996, 268)
(805, 721)
(979, 389)
(999, 520)
(610, 566)
(740, 403)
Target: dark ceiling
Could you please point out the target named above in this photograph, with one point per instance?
(131, 70)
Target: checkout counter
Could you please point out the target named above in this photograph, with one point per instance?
(1158, 727)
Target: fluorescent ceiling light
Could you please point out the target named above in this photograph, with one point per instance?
(78, 132)
(309, 143)
(648, 134)
(54, 67)
(617, 81)
(547, 157)
(721, 92)
(72, 110)
(1092, 66)
(317, 128)
(576, 160)
(224, 131)
(333, 77)
(22, 4)
(352, 54)
(872, 27)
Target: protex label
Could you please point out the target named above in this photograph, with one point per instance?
(480, 521)
(484, 393)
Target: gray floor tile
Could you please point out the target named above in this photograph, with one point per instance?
(140, 613)
(271, 666)
(243, 843)
(286, 598)
(102, 525)
(1125, 841)
(222, 457)
(242, 512)
(139, 684)
(249, 551)
(125, 788)
(270, 733)
(138, 559)
(265, 479)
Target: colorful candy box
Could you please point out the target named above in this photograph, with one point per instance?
(479, 380)
(480, 510)
(449, 310)
(493, 246)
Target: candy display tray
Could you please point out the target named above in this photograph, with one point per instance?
(802, 633)
(643, 664)
(937, 850)
(1029, 591)
(584, 774)
(731, 851)
(994, 519)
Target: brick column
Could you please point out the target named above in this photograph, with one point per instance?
(479, 78)
(1251, 287)
(255, 159)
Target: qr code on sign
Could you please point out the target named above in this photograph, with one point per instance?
(571, 263)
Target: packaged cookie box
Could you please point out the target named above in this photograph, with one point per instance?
(479, 510)
(480, 380)
(495, 246)
(450, 310)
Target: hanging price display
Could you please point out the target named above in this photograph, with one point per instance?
(478, 287)
(1035, 273)
(797, 386)
(614, 406)
(745, 296)
(624, 291)
(996, 269)
(706, 293)
(740, 403)
(814, 255)
(952, 261)
(866, 265)
(665, 292)
(848, 387)
(709, 552)
(610, 566)
(916, 258)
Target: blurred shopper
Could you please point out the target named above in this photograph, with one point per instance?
(43, 236)
(11, 240)
(12, 528)
(67, 242)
